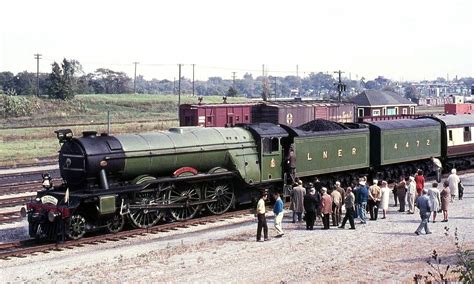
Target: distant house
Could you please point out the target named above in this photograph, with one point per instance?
(371, 103)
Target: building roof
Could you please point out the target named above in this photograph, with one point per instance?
(380, 98)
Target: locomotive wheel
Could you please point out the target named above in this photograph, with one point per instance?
(223, 193)
(77, 227)
(184, 195)
(144, 217)
(116, 224)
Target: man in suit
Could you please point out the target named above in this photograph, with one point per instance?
(423, 203)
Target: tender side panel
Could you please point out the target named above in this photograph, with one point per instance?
(331, 153)
(410, 144)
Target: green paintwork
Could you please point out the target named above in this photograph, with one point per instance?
(401, 145)
(272, 166)
(311, 152)
(161, 153)
(107, 204)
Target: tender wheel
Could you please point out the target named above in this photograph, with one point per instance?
(116, 224)
(185, 195)
(141, 217)
(222, 193)
(77, 227)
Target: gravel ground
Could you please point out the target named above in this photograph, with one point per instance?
(383, 250)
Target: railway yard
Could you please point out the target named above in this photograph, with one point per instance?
(223, 248)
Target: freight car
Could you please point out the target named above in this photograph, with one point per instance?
(289, 112)
(177, 174)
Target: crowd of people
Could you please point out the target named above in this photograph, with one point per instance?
(312, 201)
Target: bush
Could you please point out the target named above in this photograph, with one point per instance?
(14, 106)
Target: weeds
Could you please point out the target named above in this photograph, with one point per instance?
(465, 266)
(443, 273)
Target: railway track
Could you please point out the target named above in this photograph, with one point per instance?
(10, 217)
(15, 188)
(30, 247)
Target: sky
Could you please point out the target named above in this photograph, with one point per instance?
(399, 39)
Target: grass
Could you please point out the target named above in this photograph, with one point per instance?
(30, 144)
(142, 112)
(94, 108)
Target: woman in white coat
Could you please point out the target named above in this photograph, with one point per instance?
(385, 197)
(453, 180)
(435, 199)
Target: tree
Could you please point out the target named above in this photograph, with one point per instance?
(6, 81)
(63, 83)
(231, 92)
(411, 93)
(111, 82)
(25, 83)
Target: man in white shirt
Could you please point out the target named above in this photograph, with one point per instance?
(262, 220)
(437, 167)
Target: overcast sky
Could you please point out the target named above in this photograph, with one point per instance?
(400, 39)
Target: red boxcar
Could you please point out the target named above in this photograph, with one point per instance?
(458, 108)
(296, 113)
(215, 115)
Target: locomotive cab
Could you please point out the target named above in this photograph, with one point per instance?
(269, 142)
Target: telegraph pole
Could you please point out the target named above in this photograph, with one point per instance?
(135, 78)
(340, 86)
(233, 80)
(193, 79)
(179, 87)
(37, 57)
(264, 81)
(298, 77)
(275, 87)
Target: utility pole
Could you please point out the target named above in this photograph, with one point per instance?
(179, 87)
(275, 87)
(135, 78)
(37, 57)
(298, 77)
(264, 81)
(340, 86)
(233, 80)
(193, 79)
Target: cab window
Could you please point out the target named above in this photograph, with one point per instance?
(270, 145)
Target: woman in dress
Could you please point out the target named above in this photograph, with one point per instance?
(385, 197)
(445, 198)
(420, 182)
(434, 196)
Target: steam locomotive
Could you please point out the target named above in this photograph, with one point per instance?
(144, 178)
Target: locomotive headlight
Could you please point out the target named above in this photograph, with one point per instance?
(52, 215)
(103, 163)
(64, 135)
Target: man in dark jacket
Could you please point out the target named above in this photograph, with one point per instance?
(310, 204)
(423, 203)
(362, 198)
(296, 204)
(349, 204)
(401, 194)
(291, 163)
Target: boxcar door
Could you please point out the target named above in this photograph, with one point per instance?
(271, 165)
